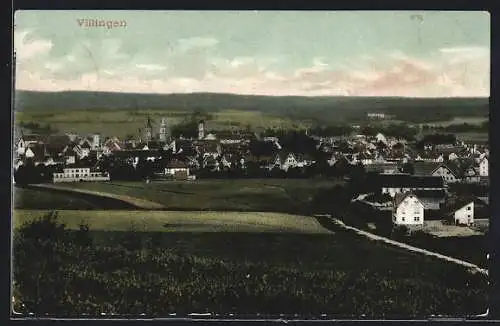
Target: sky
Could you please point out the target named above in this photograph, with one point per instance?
(313, 53)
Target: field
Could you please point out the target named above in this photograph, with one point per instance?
(40, 199)
(304, 270)
(269, 195)
(121, 123)
(459, 120)
(472, 136)
(168, 221)
(466, 136)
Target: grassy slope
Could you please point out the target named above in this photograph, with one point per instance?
(283, 195)
(167, 221)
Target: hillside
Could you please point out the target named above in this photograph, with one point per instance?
(314, 108)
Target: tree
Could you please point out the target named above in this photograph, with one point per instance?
(399, 232)
(357, 175)
(39, 248)
(260, 148)
(335, 200)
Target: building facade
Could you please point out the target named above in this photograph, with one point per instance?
(76, 174)
(465, 214)
(408, 210)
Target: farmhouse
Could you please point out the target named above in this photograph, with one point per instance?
(407, 209)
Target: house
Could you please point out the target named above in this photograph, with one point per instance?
(381, 138)
(82, 150)
(35, 152)
(484, 167)
(407, 209)
(387, 168)
(461, 211)
(76, 173)
(400, 183)
(453, 156)
(176, 167)
(134, 156)
(472, 175)
(432, 199)
(449, 174)
(26, 140)
(430, 157)
(111, 145)
(56, 144)
(285, 161)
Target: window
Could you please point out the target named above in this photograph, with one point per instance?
(416, 218)
(468, 216)
(468, 208)
(403, 212)
(403, 219)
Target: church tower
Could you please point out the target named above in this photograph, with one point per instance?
(148, 131)
(163, 130)
(201, 130)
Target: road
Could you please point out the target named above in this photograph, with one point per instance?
(405, 246)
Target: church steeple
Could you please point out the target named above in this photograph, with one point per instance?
(163, 130)
(148, 131)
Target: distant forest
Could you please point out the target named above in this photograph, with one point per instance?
(315, 109)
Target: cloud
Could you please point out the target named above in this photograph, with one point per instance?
(447, 72)
(188, 44)
(26, 49)
(150, 67)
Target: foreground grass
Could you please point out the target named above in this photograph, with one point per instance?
(278, 195)
(178, 221)
(157, 273)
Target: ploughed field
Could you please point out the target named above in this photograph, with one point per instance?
(162, 262)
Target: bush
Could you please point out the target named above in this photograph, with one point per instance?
(399, 232)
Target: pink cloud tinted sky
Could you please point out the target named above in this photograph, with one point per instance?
(104, 61)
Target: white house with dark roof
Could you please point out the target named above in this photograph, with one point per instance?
(407, 209)
(435, 169)
(484, 167)
(446, 173)
(462, 211)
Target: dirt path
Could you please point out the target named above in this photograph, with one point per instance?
(136, 202)
(372, 236)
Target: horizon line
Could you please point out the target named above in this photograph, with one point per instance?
(256, 95)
